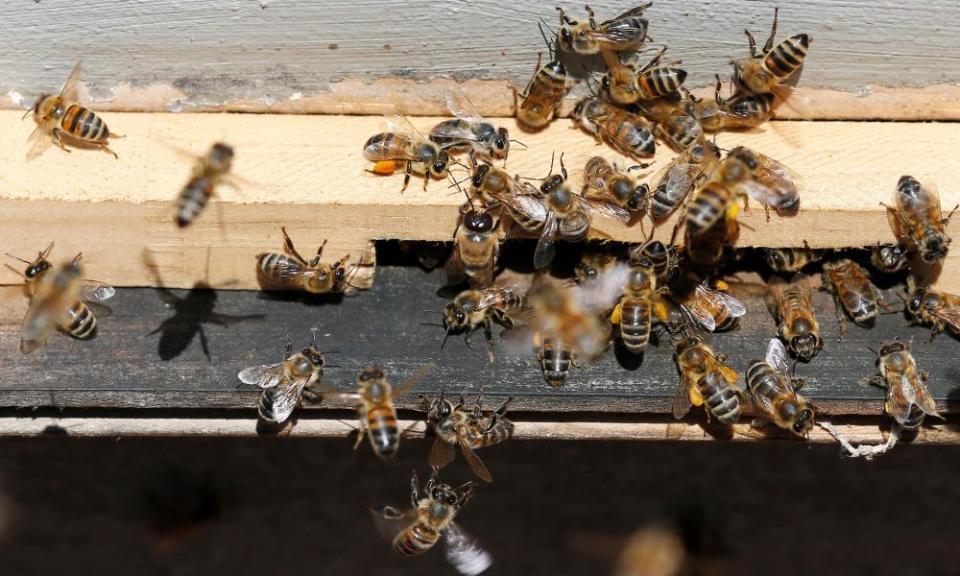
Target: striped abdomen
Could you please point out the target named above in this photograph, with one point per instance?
(683, 131)
(707, 208)
(719, 398)
(82, 323)
(83, 124)
(634, 323)
(786, 57)
(416, 539)
(265, 404)
(660, 81)
(914, 418)
(382, 428)
(574, 226)
(763, 380)
(441, 132)
(629, 137)
(193, 198)
(478, 438)
(793, 302)
(555, 360)
(387, 146)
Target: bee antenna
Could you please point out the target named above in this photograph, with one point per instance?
(445, 338)
(18, 258)
(540, 24)
(19, 273)
(432, 324)
(875, 352)
(457, 183)
(518, 142)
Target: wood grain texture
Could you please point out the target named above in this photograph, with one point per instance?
(180, 54)
(307, 173)
(129, 366)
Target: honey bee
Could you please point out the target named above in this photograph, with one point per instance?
(555, 357)
(476, 246)
(469, 130)
(683, 174)
(908, 400)
(210, 170)
(675, 122)
(291, 271)
(403, 145)
(852, 291)
(774, 392)
(663, 259)
(283, 384)
(626, 86)
(623, 131)
(792, 307)
(917, 221)
(544, 93)
(775, 185)
(431, 518)
(470, 429)
(705, 380)
(765, 70)
(60, 119)
(374, 401)
(704, 252)
(472, 309)
(594, 261)
(567, 214)
(933, 308)
(789, 260)
(637, 308)
(58, 300)
(889, 258)
(627, 31)
(606, 182)
(741, 112)
(714, 310)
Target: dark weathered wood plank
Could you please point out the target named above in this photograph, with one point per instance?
(123, 368)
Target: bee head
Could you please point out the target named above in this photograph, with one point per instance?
(314, 355)
(800, 416)
(454, 317)
(478, 221)
(892, 347)
(806, 346)
(371, 374)
(439, 166)
(501, 143)
(916, 300)
(479, 175)
(221, 157)
(638, 198)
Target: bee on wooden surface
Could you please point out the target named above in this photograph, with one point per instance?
(60, 120)
(764, 70)
(606, 182)
(635, 312)
(626, 85)
(889, 258)
(678, 178)
(594, 261)
(792, 307)
(472, 309)
(917, 221)
(374, 401)
(568, 215)
(853, 293)
(623, 131)
(933, 308)
(431, 518)
(908, 400)
(476, 246)
(774, 392)
(713, 309)
(741, 112)
(209, 171)
(283, 384)
(291, 271)
(663, 259)
(470, 131)
(627, 31)
(774, 185)
(790, 260)
(403, 146)
(470, 429)
(58, 299)
(705, 380)
(675, 122)
(544, 94)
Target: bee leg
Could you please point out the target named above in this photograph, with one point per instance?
(591, 18)
(946, 220)
(103, 146)
(406, 176)
(773, 32)
(58, 140)
(753, 43)
(875, 380)
(361, 432)
(840, 318)
(935, 331)
(289, 349)
(414, 489)
(488, 336)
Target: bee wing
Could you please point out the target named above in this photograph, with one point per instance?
(441, 453)
(413, 380)
(734, 306)
(950, 315)
(606, 209)
(43, 316)
(635, 11)
(264, 376)
(925, 400)
(400, 124)
(389, 521)
(461, 107)
(699, 316)
(778, 175)
(283, 398)
(777, 356)
(900, 398)
(446, 130)
(476, 464)
(70, 86)
(96, 291)
(681, 398)
(40, 139)
(759, 192)
(543, 254)
(464, 553)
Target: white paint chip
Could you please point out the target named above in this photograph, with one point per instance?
(15, 97)
(296, 96)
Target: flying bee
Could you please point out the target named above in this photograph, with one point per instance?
(209, 171)
(469, 130)
(774, 392)
(623, 131)
(544, 94)
(792, 307)
(58, 299)
(765, 70)
(472, 309)
(60, 119)
(402, 145)
(374, 401)
(608, 183)
(627, 31)
(678, 178)
(889, 258)
(283, 384)
(703, 253)
(626, 85)
(705, 380)
(789, 260)
(594, 261)
(638, 307)
(555, 357)
(291, 271)
(476, 246)
(933, 308)
(713, 309)
(568, 214)
(853, 293)
(470, 429)
(917, 221)
(663, 259)
(431, 518)
(908, 400)
(741, 112)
